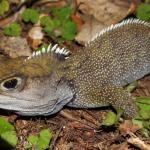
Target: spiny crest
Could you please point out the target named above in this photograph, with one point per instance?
(50, 49)
(115, 26)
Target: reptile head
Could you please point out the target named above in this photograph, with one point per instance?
(33, 86)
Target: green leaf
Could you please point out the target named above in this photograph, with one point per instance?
(39, 142)
(138, 122)
(56, 23)
(144, 125)
(110, 119)
(5, 126)
(49, 24)
(4, 7)
(68, 35)
(32, 141)
(48, 29)
(30, 15)
(119, 113)
(60, 24)
(143, 104)
(144, 111)
(46, 21)
(69, 30)
(143, 117)
(145, 114)
(44, 139)
(143, 11)
(69, 26)
(143, 100)
(132, 86)
(8, 136)
(14, 29)
(61, 13)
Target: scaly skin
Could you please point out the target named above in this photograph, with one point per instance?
(92, 77)
(112, 60)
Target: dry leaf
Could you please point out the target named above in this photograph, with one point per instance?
(123, 146)
(89, 30)
(128, 127)
(138, 143)
(35, 36)
(14, 46)
(105, 11)
(101, 13)
(78, 21)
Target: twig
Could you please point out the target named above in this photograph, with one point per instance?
(51, 147)
(134, 140)
(72, 118)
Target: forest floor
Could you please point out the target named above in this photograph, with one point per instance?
(77, 129)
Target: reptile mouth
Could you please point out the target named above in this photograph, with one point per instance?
(44, 109)
(28, 107)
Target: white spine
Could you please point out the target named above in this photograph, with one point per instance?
(49, 49)
(112, 27)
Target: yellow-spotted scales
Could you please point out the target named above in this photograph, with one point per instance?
(92, 77)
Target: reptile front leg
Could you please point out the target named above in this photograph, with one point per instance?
(106, 96)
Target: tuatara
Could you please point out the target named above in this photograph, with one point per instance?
(94, 76)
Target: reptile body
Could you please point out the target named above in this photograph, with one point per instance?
(93, 77)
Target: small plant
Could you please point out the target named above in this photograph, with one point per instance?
(4, 7)
(143, 116)
(8, 138)
(59, 25)
(61, 14)
(143, 11)
(142, 119)
(30, 15)
(40, 141)
(112, 118)
(49, 24)
(14, 29)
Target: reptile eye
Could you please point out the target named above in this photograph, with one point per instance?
(11, 83)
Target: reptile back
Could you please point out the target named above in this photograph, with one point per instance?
(117, 56)
(120, 55)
